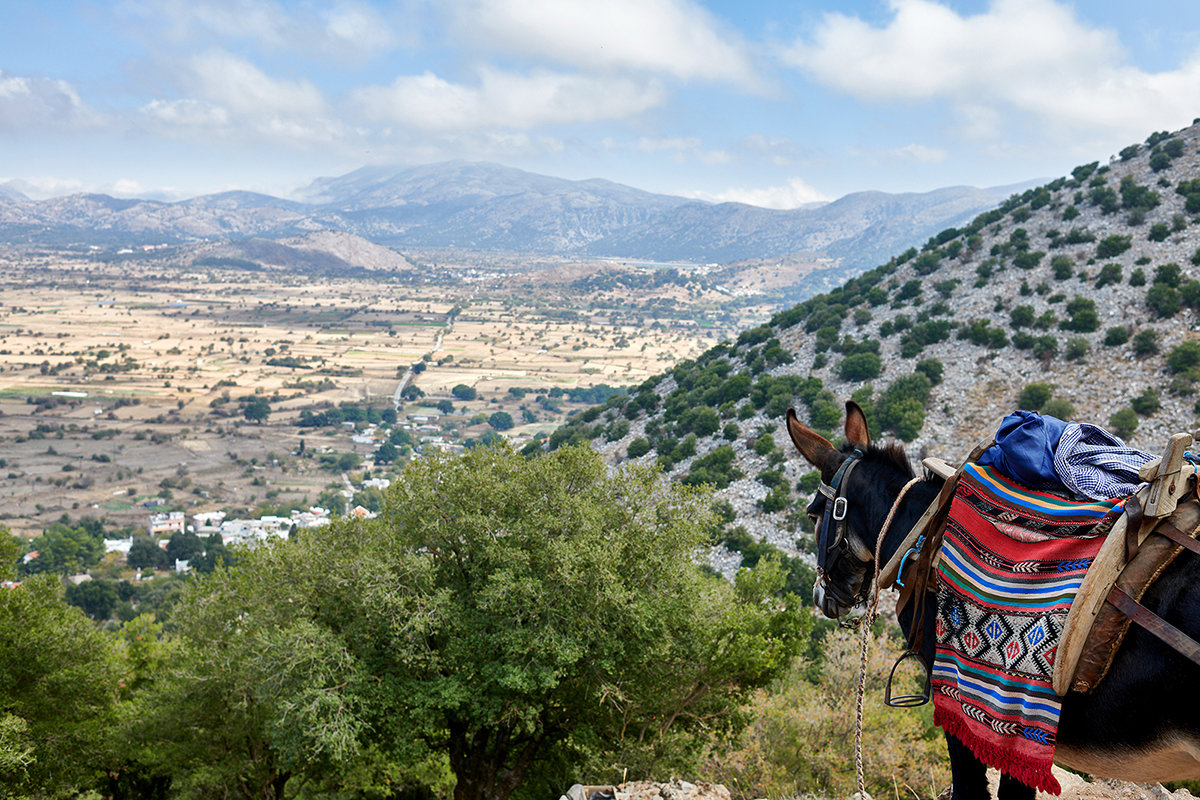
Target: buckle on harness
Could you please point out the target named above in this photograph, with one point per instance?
(839, 508)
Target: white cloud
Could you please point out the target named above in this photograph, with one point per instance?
(1032, 56)
(503, 100)
(232, 97)
(34, 104)
(679, 149)
(345, 28)
(240, 86)
(922, 154)
(187, 113)
(793, 194)
(674, 37)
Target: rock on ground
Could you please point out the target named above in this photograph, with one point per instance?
(1075, 787)
(674, 789)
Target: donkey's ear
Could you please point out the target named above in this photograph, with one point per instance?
(812, 445)
(856, 426)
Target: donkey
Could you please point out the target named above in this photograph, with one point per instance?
(1142, 722)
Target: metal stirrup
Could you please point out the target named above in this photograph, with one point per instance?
(908, 700)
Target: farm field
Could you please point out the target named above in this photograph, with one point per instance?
(126, 383)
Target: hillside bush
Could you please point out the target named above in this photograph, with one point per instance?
(1146, 403)
(638, 448)
(1113, 246)
(1134, 196)
(1145, 342)
(1034, 396)
(1168, 275)
(931, 368)
(860, 367)
(1077, 347)
(1184, 356)
(1083, 317)
(1109, 274)
(1158, 232)
(1164, 300)
(1124, 422)
(1063, 267)
(1022, 316)
(1116, 335)
(1028, 260)
(717, 468)
(1058, 407)
(901, 408)
(1079, 236)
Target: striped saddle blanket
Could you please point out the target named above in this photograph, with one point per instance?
(1012, 561)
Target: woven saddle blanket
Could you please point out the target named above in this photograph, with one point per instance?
(1012, 561)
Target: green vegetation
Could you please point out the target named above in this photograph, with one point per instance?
(1034, 396)
(1113, 246)
(1124, 422)
(366, 654)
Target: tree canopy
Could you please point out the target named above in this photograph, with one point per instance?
(517, 620)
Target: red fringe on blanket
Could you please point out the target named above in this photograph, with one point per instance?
(1033, 772)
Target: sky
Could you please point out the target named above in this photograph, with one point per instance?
(772, 103)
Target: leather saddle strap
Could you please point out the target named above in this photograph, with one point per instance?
(1168, 633)
(1133, 526)
(1178, 537)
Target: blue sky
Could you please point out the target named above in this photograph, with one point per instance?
(773, 103)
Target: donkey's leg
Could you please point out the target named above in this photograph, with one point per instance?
(967, 772)
(1013, 789)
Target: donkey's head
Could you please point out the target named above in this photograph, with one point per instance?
(844, 506)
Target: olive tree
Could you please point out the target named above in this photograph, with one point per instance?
(524, 621)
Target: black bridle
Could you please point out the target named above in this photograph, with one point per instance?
(832, 532)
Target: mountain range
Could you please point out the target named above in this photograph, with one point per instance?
(482, 206)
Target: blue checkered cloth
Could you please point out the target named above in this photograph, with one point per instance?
(1094, 463)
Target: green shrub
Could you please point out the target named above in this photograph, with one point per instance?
(809, 482)
(731, 432)
(1058, 407)
(1164, 300)
(1063, 267)
(776, 500)
(717, 469)
(764, 444)
(1034, 396)
(1028, 260)
(638, 448)
(1124, 422)
(1184, 356)
(1109, 273)
(1022, 316)
(1113, 246)
(1145, 342)
(1077, 348)
(860, 367)
(931, 368)
(1116, 335)
(1084, 318)
(1159, 232)
(1146, 403)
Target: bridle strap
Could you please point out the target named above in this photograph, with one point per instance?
(836, 507)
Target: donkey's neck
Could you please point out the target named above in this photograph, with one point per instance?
(911, 507)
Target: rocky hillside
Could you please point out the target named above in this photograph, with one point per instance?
(1080, 297)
